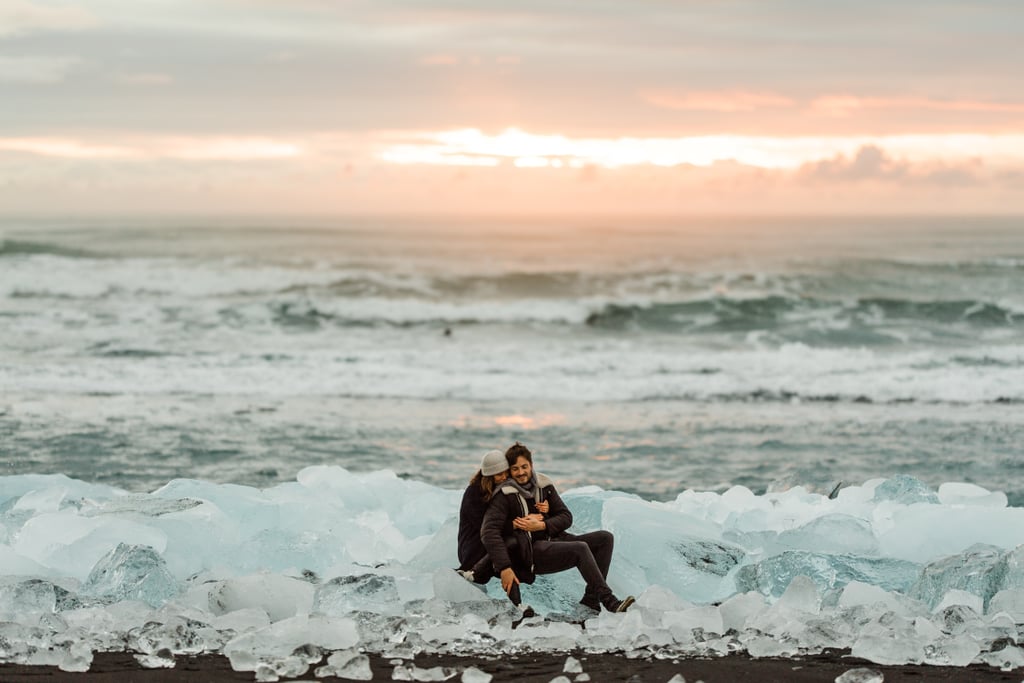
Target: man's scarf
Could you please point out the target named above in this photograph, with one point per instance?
(530, 490)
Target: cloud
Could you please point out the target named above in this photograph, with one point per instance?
(873, 164)
(725, 101)
(870, 162)
(850, 105)
(20, 16)
(191, 149)
(36, 69)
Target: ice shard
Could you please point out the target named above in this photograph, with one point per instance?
(131, 572)
(772, 575)
(905, 489)
(369, 592)
(979, 570)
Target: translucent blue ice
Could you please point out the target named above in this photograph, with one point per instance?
(342, 562)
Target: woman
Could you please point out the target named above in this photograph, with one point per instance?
(473, 561)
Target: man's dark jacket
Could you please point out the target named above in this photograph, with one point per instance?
(510, 547)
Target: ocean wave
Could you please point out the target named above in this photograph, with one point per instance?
(846, 318)
(27, 248)
(479, 365)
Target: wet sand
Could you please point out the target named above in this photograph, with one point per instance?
(121, 667)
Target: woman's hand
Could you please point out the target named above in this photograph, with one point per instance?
(543, 506)
(529, 524)
(508, 577)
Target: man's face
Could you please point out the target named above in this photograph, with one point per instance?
(500, 477)
(521, 470)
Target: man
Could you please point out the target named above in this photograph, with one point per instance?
(542, 545)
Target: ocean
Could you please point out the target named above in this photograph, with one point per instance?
(251, 436)
(647, 356)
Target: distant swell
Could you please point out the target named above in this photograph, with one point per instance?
(779, 312)
(21, 248)
(773, 396)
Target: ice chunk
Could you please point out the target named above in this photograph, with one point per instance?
(832, 533)
(448, 585)
(1012, 569)
(887, 649)
(13, 563)
(572, 666)
(673, 549)
(475, 675)
(891, 639)
(952, 493)
(956, 650)
(159, 660)
(347, 664)
(279, 596)
(247, 619)
(78, 658)
(861, 675)
(411, 672)
(132, 572)
(741, 608)
(773, 575)
(71, 544)
(959, 597)
(977, 570)
(856, 593)
(922, 533)
(1010, 601)
(587, 505)
(282, 638)
(177, 634)
(905, 489)
(560, 679)
(1007, 659)
(801, 596)
(707, 619)
(660, 599)
(369, 592)
(27, 601)
(771, 646)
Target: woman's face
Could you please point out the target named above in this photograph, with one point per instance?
(500, 477)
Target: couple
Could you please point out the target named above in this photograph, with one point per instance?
(512, 524)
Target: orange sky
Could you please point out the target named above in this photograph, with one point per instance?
(310, 106)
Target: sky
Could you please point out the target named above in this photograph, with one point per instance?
(534, 106)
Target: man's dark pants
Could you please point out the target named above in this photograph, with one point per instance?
(590, 553)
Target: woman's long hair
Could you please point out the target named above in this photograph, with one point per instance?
(486, 484)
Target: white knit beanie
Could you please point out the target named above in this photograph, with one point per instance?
(493, 463)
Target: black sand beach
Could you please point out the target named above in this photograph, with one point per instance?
(532, 668)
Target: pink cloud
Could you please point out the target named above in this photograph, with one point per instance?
(872, 163)
(846, 105)
(723, 101)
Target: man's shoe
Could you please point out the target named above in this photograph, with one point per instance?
(613, 604)
(591, 602)
(625, 604)
(466, 574)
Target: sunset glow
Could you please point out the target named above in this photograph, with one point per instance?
(525, 150)
(316, 107)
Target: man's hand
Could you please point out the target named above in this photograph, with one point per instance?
(543, 506)
(508, 577)
(529, 523)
